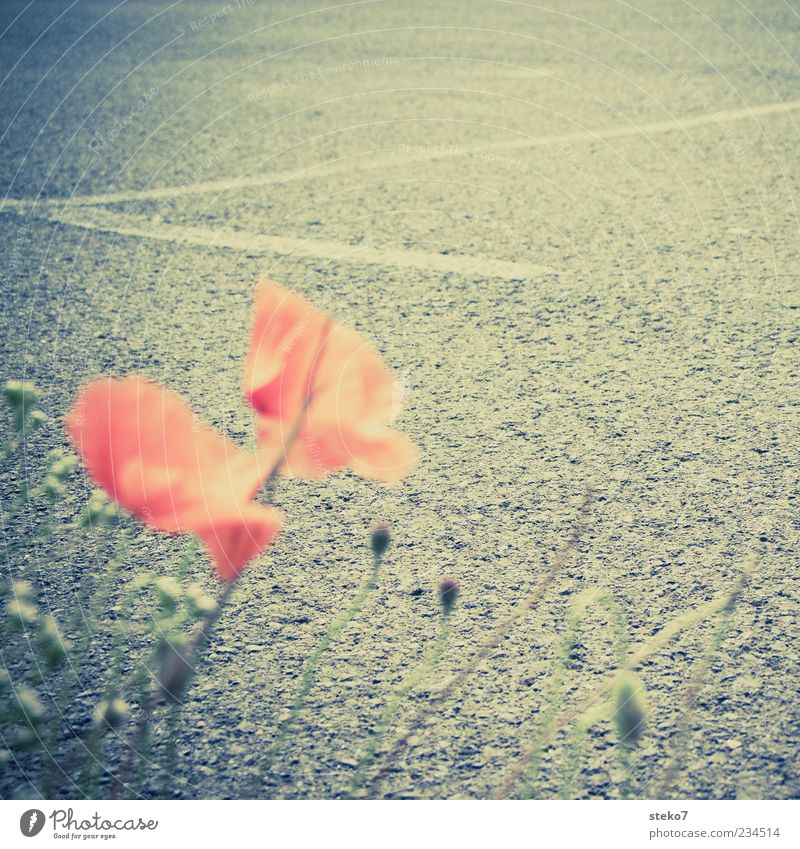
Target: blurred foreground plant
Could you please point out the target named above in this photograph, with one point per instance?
(620, 696)
(324, 401)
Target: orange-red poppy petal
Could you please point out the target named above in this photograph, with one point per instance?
(324, 396)
(234, 543)
(143, 445)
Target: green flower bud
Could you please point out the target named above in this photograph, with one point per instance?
(19, 392)
(448, 594)
(174, 672)
(29, 706)
(22, 589)
(60, 465)
(24, 739)
(51, 642)
(22, 397)
(99, 511)
(169, 593)
(53, 487)
(381, 538)
(199, 602)
(5, 758)
(629, 710)
(36, 420)
(5, 681)
(142, 580)
(21, 613)
(110, 713)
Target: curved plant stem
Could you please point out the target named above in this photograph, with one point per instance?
(184, 663)
(575, 748)
(655, 644)
(148, 701)
(557, 681)
(624, 753)
(495, 638)
(84, 621)
(395, 703)
(190, 551)
(690, 701)
(170, 770)
(294, 432)
(312, 664)
(578, 610)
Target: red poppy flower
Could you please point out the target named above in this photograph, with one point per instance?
(142, 444)
(324, 398)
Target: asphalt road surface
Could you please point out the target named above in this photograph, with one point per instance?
(572, 231)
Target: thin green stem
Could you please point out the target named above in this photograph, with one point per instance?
(84, 622)
(556, 695)
(576, 744)
(170, 769)
(394, 704)
(148, 702)
(485, 650)
(625, 751)
(190, 551)
(184, 663)
(656, 643)
(312, 664)
(576, 614)
(690, 701)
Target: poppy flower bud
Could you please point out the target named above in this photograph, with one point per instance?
(110, 713)
(51, 642)
(29, 706)
(629, 710)
(448, 593)
(199, 602)
(24, 739)
(60, 465)
(381, 537)
(99, 511)
(175, 672)
(53, 487)
(21, 613)
(21, 396)
(169, 593)
(36, 420)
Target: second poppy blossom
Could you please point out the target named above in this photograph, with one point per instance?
(324, 397)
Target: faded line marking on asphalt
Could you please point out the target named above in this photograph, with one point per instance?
(258, 244)
(329, 167)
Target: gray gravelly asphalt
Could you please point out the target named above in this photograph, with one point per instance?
(648, 345)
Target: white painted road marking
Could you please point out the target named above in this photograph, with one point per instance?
(74, 211)
(368, 161)
(255, 243)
